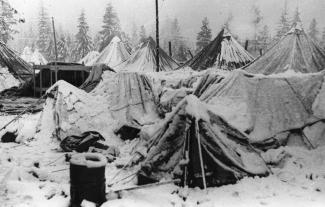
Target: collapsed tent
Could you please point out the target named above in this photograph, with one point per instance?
(20, 69)
(191, 132)
(223, 52)
(267, 107)
(294, 51)
(70, 111)
(131, 98)
(113, 54)
(94, 77)
(89, 59)
(144, 59)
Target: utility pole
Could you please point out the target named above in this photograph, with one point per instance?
(56, 52)
(157, 37)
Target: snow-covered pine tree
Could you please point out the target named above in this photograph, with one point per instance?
(323, 38)
(296, 16)
(264, 37)
(284, 24)
(83, 42)
(70, 47)
(228, 21)
(142, 33)
(257, 18)
(44, 31)
(134, 35)
(111, 26)
(204, 36)
(62, 48)
(7, 21)
(313, 30)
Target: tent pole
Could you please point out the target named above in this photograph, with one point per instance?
(200, 154)
(157, 37)
(56, 51)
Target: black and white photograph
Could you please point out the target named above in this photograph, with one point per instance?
(162, 103)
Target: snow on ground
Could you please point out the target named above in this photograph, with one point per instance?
(7, 80)
(34, 172)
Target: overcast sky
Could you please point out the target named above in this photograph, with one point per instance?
(188, 12)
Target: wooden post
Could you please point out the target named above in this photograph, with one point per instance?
(51, 78)
(56, 52)
(200, 154)
(40, 82)
(34, 82)
(157, 37)
(246, 45)
(170, 48)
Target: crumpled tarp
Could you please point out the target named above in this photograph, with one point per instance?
(95, 76)
(266, 106)
(173, 150)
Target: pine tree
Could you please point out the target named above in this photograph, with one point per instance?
(142, 33)
(134, 35)
(63, 50)
(284, 25)
(228, 21)
(44, 31)
(7, 21)
(256, 22)
(83, 41)
(264, 37)
(323, 38)
(70, 47)
(313, 31)
(204, 36)
(296, 17)
(111, 26)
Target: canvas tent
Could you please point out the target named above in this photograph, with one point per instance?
(70, 111)
(294, 51)
(89, 59)
(223, 52)
(20, 69)
(268, 108)
(130, 96)
(144, 59)
(35, 57)
(113, 54)
(192, 128)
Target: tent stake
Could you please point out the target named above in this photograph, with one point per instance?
(200, 154)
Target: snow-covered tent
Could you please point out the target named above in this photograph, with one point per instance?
(90, 58)
(223, 52)
(31, 57)
(144, 59)
(20, 69)
(38, 58)
(94, 77)
(130, 96)
(294, 51)
(72, 111)
(174, 149)
(113, 54)
(268, 109)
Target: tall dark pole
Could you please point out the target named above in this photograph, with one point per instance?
(56, 52)
(157, 37)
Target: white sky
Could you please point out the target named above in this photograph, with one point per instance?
(189, 13)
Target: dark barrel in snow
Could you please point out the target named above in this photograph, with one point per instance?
(87, 178)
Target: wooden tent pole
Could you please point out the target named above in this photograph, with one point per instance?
(157, 37)
(56, 51)
(200, 154)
